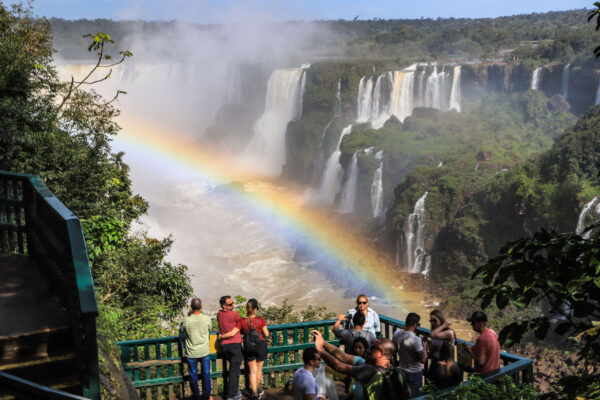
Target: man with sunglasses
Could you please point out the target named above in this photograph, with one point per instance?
(231, 341)
(411, 353)
(305, 385)
(379, 378)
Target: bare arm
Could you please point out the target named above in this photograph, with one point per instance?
(229, 334)
(340, 319)
(331, 361)
(442, 333)
(265, 331)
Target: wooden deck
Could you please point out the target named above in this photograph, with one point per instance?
(36, 340)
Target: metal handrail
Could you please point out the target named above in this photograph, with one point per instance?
(24, 389)
(150, 363)
(36, 223)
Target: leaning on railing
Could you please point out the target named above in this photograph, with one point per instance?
(33, 221)
(155, 367)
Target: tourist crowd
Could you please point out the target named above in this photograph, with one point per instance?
(376, 368)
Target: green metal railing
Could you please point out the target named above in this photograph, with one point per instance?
(34, 222)
(155, 365)
(518, 368)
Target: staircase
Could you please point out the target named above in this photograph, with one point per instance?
(47, 303)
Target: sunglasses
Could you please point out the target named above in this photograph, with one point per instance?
(361, 302)
(230, 304)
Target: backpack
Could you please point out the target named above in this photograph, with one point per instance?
(251, 338)
(387, 384)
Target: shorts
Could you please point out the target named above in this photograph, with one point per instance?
(259, 355)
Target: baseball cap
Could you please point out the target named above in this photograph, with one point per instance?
(478, 316)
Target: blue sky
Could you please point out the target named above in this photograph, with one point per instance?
(214, 11)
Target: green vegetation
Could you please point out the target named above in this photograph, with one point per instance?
(63, 134)
(561, 274)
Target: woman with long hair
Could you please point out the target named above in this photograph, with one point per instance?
(445, 372)
(255, 354)
(440, 333)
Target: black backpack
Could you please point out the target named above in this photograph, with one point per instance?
(394, 384)
(251, 338)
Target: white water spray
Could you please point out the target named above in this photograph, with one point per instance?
(332, 176)
(349, 190)
(283, 104)
(401, 102)
(591, 206)
(365, 100)
(536, 78)
(417, 260)
(377, 188)
(455, 91)
(564, 82)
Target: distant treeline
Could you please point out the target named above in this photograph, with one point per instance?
(551, 36)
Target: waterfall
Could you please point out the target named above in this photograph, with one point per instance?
(377, 188)
(536, 78)
(338, 99)
(597, 101)
(364, 101)
(332, 176)
(398, 251)
(435, 90)
(594, 205)
(401, 102)
(455, 91)
(417, 260)
(565, 81)
(349, 189)
(283, 104)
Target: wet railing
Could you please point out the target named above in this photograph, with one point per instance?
(156, 369)
(34, 222)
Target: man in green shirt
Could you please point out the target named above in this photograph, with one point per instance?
(196, 329)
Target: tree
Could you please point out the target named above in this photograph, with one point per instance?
(561, 274)
(63, 134)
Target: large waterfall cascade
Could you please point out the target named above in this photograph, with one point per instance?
(333, 174)
(591, 206)
(283, 104)
(377, 188)
(564, 81)
(536, 78)
(417, 260)
(349, 190)
(397, 93)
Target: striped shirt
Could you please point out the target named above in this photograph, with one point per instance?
(197, 330)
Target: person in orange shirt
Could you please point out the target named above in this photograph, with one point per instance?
(486, 351)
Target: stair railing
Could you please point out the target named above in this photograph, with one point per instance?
(34, 222)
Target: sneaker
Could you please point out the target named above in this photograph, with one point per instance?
(238, 396)
(260, 393)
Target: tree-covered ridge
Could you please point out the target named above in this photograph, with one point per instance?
(552, 36)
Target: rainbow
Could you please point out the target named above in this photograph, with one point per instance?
(342, 254)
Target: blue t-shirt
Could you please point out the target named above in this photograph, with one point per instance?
(304, 383)
(357, 388)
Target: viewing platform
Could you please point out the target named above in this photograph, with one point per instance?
(48, 342)
(157, 372)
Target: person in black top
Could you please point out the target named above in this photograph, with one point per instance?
(445, 372)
